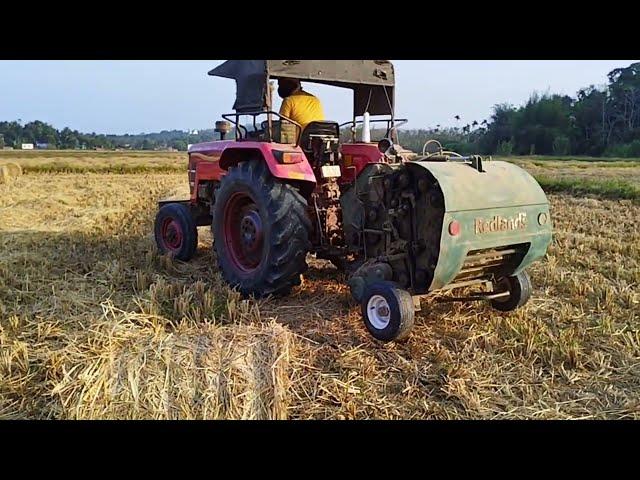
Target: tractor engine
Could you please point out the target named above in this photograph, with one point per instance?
(324, 205)
(326, 212)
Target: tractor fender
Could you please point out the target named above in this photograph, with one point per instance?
(299, 173)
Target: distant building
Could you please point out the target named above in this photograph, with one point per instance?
(42, 146)
(8, 148)
(27, 146)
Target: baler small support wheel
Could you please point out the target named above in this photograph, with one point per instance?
(388, 311)
(519, 288)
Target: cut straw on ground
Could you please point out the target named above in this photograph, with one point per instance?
(94, 324)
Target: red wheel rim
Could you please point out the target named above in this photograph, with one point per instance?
(172, 234)
(243, 232)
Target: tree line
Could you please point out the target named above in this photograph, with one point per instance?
(598, 121)
(14, 134)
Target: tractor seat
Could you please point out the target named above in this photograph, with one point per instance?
(324, 129)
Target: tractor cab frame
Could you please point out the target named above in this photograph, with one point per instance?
(372, 83)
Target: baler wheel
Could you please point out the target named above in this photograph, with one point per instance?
(175, 231)
(519, 288)
(388, 311)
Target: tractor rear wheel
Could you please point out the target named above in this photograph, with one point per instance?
(388, 311)
(519, 288)
(262, 231)
(175, 231)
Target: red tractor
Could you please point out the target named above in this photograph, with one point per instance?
(400, 224)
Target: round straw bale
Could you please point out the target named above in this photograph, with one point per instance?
(15, 170)
(4, 174)
(9, 171)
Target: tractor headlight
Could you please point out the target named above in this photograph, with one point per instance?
(287, 157)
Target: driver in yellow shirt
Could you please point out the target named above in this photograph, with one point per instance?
(298, 105)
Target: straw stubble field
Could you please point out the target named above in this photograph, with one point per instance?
(94, 324)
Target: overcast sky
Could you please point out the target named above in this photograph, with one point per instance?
(149, 96)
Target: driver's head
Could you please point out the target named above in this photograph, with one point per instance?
(287, 86)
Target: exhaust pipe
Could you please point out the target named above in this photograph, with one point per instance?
(366, 129)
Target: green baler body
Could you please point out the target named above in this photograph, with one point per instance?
(498, 207)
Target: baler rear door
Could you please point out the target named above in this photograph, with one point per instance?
(501, 209)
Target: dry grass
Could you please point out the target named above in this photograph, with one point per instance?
(572, 352)
(582, 160)
(131, 367)
(91, 328)
(56, 161)
(93, 324)
(607, 179)
(629, 172)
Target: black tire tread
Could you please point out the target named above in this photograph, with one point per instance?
(290, 226)
(520, 292)
(400, 300)
(181, 213)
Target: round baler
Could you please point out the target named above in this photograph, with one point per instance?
(440, 225)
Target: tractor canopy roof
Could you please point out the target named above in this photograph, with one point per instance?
(372, 81)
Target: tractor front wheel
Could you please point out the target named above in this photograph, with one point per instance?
(175, 231)
(262, 231)
(519, 288)
(388, 311)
